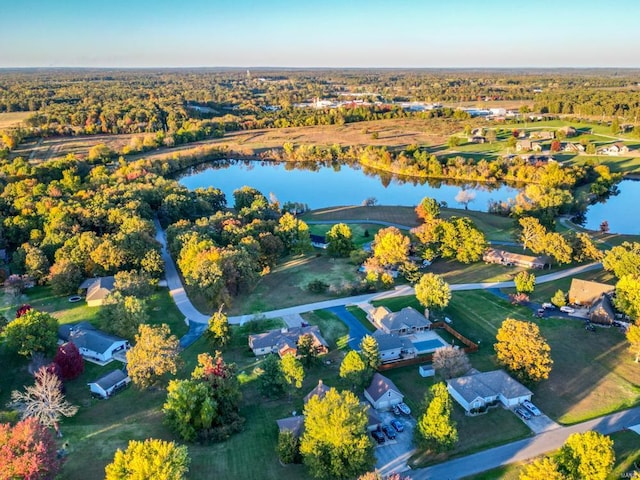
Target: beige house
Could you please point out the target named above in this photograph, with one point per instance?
(586, 293)
(383, 393)
(493, 255)
(285, 340)
(98, 289)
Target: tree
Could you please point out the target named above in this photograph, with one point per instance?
(525, 282)
(33, 332)
(532, 234)
(559, 299)
(306, 349)
(340, 240)
(36, 263)
(453, 141)
(541, 469)
(288, 447)
(604, 225)
(154, 354)
(633, 337)
(587, 455)
(43, 400)
(465, 197)
(292, 370)
(335, 443)
(190, 408)
(623, 259)
(370, 352)
(133, 283)
(522, 349)
(627, 298)
(28, 451)
(271, 382)
(100, 152)
(124, 315)
(428, 208)
(69, 360)
(218, 329)
(294, 234)
(157, 459)
(432, 291)
(435, 429)
(584, 249)
(390, 247)
(65, 276)
(557, 246)
(353, 369)
(450, 362)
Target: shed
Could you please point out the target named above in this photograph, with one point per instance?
(382, 393)
(109, 384)
(426, 371)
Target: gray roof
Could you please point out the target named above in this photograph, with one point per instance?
(110, 379)
(85, 335)
(387, 341)
(99, 287)
(285, 337)
(408, 318)
(294, 425)
(381, 385)
(488, 384)
(602, 307)
(320, 390)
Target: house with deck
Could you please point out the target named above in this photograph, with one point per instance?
(479, 390)
(285, 340)
(393, 347)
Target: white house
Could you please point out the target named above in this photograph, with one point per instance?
(382, 393)
(109, 384)
(92, 343)
(481, 389)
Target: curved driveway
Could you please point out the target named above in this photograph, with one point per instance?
(356, 330)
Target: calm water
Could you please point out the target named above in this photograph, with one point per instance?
(332, 186)
(621, 211)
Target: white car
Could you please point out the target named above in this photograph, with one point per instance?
(531, 407)
(567, 309)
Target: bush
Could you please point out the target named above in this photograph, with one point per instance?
(288, 448)
(317, 286)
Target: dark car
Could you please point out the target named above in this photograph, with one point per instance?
(397, 424)
(389, 432)
(522, 413)
(377, 436)
(540, 312)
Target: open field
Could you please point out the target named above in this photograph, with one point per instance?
(12, 119)
(361, 232)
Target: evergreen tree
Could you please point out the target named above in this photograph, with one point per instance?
(370, 352)
(435, 430)
(271, 382)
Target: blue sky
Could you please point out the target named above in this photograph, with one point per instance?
(329, 33)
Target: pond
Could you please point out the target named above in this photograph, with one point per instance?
(321, 186)
(618, 210)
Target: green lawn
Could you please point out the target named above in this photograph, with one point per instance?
(334, 331)
(361, 233)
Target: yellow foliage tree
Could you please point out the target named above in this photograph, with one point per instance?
(154, 354)
(152, 458)
(522, 349)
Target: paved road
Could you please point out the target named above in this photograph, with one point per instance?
(356, 329)
(526, 449)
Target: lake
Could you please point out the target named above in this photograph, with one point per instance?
(618, 210)
(321, 186)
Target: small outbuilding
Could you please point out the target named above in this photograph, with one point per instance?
(383, 393)
(109, 384)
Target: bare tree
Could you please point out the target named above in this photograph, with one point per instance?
(465, 197)
(450, 362)
(43, 400)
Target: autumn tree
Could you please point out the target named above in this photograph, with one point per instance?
(428, 208)
(271, 382)
(36, 263)
(69, 360)
(189, 408)
(623, 259)
(435, 429)
(391, 247)
(123, 315)
(288, 448)
(44, 400)
(218, 329)
(306, 350)
(544, 468)
(65, 276)
(525, 282)
(523, 350)
(133, 283)
(28, 451)
(340, 240)
(559, 299)
(294, 234)
(353, 369)
(432, 291)
(627, 298)
(335, 443)
(584, 249)
(154, 354)
(587, 455)
(633, 337)
(532, 234)
(292, 370)
(450, 362)
(558, 247)
(33, 332)
(157, 459)
(370, 352)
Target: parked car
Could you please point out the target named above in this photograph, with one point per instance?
(404, 408)
(389, 432)
(531, 407)
(398, 425)
(448, 320)
(589, 327)
(522, 413)
(540, 313)
(567, 309)
(378, 436)
(396, 410)
(548, 306)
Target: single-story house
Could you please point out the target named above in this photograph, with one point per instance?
(92, 343)
(109, 384)
(615, 149)
(493, 255)
(294, 424)
(97, 290)
(285, 340)
(568, 131)
(573, 147)
(523, 146)
(382, 393)
(585, 292)
(542, 134)
(405, 322)
(319, 241)
(601, 311)
(319, 391)
(481, 389)
(392, 347)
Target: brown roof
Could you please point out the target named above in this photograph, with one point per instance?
(584, 292)
(320, 391)
(381, 385)
(501, 256)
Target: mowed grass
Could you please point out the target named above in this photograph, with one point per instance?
(361, 233)
(12, 119)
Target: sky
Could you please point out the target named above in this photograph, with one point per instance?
(328, 33)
